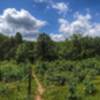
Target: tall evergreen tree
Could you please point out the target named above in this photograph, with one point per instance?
(18, 38)
(45, 48)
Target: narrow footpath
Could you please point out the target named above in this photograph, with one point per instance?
(40, 88)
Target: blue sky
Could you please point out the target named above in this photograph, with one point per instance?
(59, 18)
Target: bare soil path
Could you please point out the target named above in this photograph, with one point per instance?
(40, 89)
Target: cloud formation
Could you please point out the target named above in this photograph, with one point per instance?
(61, 7)
(12, 21)
(57, 37)
(40, 1)
(81, 25)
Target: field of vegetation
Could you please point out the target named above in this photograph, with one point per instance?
(68, 70)
(70, 80)
(14, 81)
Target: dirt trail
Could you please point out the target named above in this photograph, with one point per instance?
(40, 89)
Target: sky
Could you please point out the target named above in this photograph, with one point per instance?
(58, 18)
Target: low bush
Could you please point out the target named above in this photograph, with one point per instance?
(90, 88)
(11, 71)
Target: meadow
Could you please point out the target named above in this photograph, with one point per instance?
(70, 80)
(68, 70)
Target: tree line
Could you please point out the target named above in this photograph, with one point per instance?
(45, 49)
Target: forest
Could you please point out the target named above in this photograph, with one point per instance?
(67, 70)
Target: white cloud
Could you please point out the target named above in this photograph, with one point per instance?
(94, 31)
(57, 37)
(12, 21)
(61, 7)
(81, 25)
(40, 1)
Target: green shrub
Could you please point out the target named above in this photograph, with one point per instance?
(73, 97)
(11, 71)
(73, 92)
(90, 89)
(4, 90)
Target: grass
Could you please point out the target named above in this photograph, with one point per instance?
(16, 90)
(61, 92)
(56, 93)
(49, 70)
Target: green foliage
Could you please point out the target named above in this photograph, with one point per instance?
(24, 53)
(16, 90)
(8, 47)
(73, 97)
(11, 71)
(76, 48)
(90, 88)
(14, 81)
(18, 38)
(45, 48)
(4, 90)
(75, 75)
(58, 65)
(72, 89)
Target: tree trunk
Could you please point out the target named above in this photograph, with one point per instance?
(30, 82)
